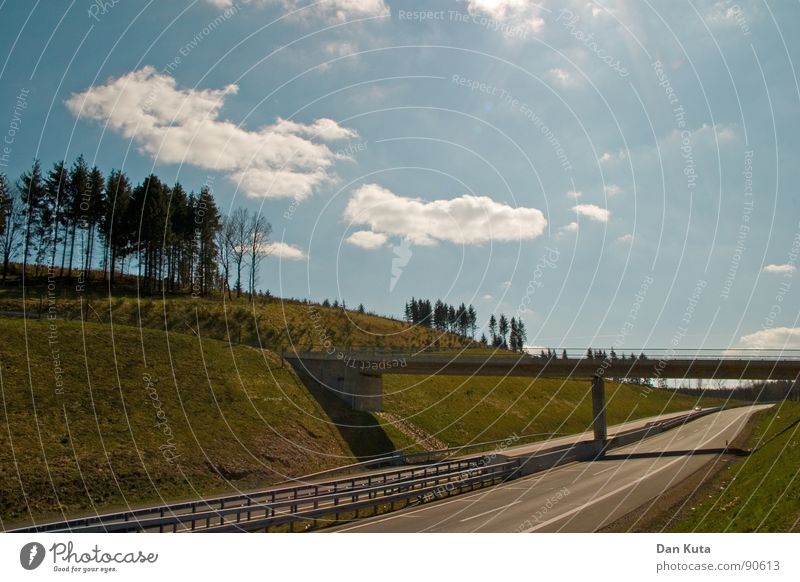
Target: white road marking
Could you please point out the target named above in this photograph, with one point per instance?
(496, 509)
(629, 485)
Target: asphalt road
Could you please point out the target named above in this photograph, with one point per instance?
(580, 497)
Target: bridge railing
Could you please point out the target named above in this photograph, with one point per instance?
(371, 352)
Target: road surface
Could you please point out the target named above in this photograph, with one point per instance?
(580, 497)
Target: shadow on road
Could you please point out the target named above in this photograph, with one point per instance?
(661, 454)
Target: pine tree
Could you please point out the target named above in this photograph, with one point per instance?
(32, 193)
(522, 335)
(472, 320)
(502, 328)
(493, 329)
(13, 220)
(57, 193)
(93, 210)
(116, 229)
(207, 221)
(78, 193)
(512, 340)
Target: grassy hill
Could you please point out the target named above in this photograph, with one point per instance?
(138, 416)
(759, 492)
(267, 322)
(462, 410)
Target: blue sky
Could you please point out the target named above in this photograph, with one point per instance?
(615, 173)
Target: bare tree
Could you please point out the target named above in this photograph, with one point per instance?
(258, 232)
(224, 237)
(237, 240)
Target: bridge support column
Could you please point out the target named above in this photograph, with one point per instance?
(599, 410)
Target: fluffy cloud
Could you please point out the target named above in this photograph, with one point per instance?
(466, 220)
(514, 12)
(568, 229)
(593, 212)
(366, 239)
(627, 238)
(175, 125)
(775, 338)
(284, 251)
(612, 157)
(328, 10)
(780, 269)
(613, 190)
(574, 194)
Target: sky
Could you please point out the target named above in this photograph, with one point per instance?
(614, 173)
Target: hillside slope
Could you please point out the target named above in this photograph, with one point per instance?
(270, 323)
(92, 419)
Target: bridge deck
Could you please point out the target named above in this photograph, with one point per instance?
(507, 365)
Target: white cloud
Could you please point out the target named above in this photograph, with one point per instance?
(184, 126)
(331, 11)
(612, 157)
(613, 190)
(568, 229)
(775, 338)
(787, 268)
(593, 212)
(626, 238)
(505, 284)
(516, 13)
(487, 297)
(574, 194)
(366, 239)
(561, 76)
(706, 136)
(466, 220)
(284, 251)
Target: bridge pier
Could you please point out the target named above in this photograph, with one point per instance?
(599, 411)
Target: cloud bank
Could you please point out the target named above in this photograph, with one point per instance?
(174, 125)
(465, 220)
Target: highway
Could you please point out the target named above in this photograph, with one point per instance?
(579, 497)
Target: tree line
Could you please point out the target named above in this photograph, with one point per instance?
(73, 219)
(510, 335)
(463, 320)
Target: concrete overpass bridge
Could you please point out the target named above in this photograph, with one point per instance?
(356, 376)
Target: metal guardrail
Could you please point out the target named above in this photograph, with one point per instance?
(311, 501)
(418, 488)
(278, 504)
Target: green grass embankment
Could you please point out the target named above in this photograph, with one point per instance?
(759, 492)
